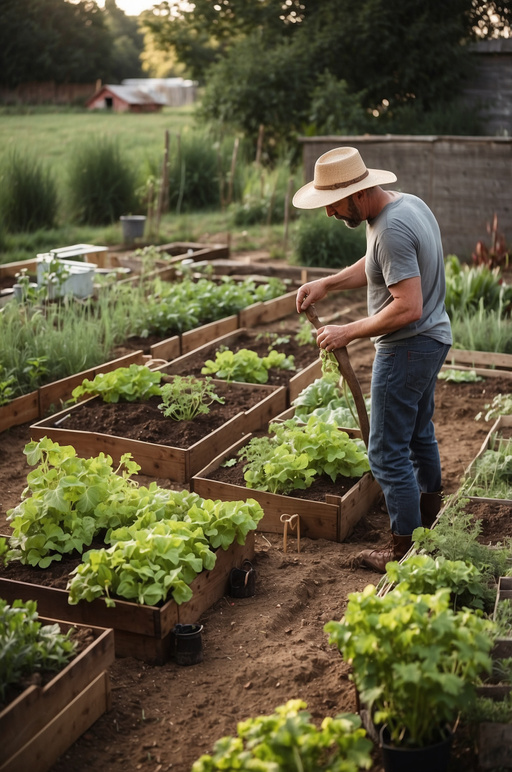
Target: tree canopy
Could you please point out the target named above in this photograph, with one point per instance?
(266, 62)
(66, 42)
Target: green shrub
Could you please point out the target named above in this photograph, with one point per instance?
(195, 173)
(102, 183)
(28, 194)
(324, 242)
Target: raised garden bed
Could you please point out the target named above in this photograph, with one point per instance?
(486, 363)
(143, 632)
(307, 360)
(162, 447)
(43, 721)
(501, 429)
(32, 406)
(326, 510)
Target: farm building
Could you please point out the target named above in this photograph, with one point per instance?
(174, 91)
(122, 99)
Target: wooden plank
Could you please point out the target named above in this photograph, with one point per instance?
(487, 359)
(179, 365)
(43, 750)
(269, 311)
(356, 503)
(23, 718)
(167, 349)
(19, 411)
(60, 391)
(494, 745)
(191, 339)
(319, 520)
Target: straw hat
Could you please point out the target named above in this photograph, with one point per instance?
(338, 174)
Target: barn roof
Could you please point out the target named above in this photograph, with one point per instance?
(131, 95)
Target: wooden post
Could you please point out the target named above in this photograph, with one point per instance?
(259, 146)
(232, 170)
(287, 213)
(163, 194)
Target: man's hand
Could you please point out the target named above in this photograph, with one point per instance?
(310, 293)
(333, 336)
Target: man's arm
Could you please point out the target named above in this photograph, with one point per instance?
(405, 307)
(352, 277)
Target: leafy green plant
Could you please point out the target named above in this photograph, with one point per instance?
(459, 376)
(7, 392)
(424, 574)
(325, 399)
(246, 366)
(296, 455)
(469, 286)
(287, 741)
(72, 501)
(27, 645)
(500, 405)
(503, 618)
(415, 661)
(490, 474)
(156, 556)
(187, 397)
(456, 537)
(135, 383)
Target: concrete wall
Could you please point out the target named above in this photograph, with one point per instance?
(464, 180)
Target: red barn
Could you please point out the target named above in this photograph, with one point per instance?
(123, 99)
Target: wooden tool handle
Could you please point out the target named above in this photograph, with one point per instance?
(348, 373)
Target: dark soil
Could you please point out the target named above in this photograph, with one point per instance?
(263, 650)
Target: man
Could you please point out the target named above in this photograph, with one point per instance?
(403, 270)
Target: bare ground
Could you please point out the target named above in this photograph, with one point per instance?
(261, 651)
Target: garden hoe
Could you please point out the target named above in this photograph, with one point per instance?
(349, 375)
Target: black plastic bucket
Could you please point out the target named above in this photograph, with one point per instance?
(188, 644)
(242, 581)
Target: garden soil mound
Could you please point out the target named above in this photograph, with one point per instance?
(263, 650)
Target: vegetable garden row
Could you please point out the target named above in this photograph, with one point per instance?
(146, 558)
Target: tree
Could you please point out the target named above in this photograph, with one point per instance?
(266, 61)
(52, 40)
(127, 43)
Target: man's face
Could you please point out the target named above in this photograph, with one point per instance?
(347, 210)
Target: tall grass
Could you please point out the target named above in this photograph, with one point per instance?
(66, 338)
(28, 193)
(102, 183)
(482, 330)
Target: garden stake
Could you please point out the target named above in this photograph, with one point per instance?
(294, 522)
(349, 375)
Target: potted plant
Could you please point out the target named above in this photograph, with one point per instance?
(415, 663)
(287, 740)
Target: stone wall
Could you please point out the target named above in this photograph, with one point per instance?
(464, 180)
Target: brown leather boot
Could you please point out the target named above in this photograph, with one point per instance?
(430, 504)
(377, 559)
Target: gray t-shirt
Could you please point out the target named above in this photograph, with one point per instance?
(404, 241)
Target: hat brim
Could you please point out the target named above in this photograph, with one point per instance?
(309, 197)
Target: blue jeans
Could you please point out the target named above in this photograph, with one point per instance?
(403, 451)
